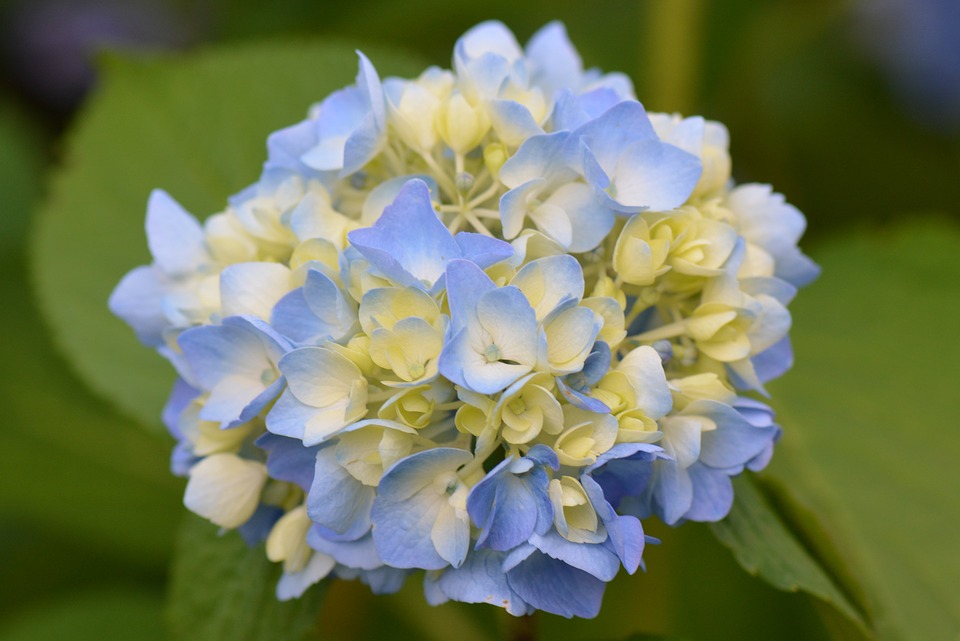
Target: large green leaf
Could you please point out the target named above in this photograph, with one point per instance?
(765, 546)
(870, 443)
(223, 590)
(21, 161)
(68, 460)
(194, 126)
(70, 463)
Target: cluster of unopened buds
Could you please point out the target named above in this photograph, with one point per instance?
(477, 324)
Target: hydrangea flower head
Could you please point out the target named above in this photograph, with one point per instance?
(473, 325)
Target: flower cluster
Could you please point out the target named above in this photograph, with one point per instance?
(477, 323)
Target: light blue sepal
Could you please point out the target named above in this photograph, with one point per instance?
(754, 412)
(512, 121)
(350, 126)
(553, 586)
(359, 553)
(415, 525)
(559, 280)
(337, 500)
(340, 114)
(626, 473)
(572, 111)
(368, 139)
(286, 147)
(576, 387)
(381, 196)
(540, 156)
(624, 533)
(237, 363)
(292, 585)
(288, 417)
(671, 491)
(556, 63)
(315, 312)
(466, 283)
(620, 154)
(484, 57)
(796, 268)
(411, 246)
(479, 580)
(138, 299)
(608, 135)
(593, 558)
(712, 494)
(174, 236)
(735, 441)
(579, 399)
(498, 342)
(288, 459)
(512, 502)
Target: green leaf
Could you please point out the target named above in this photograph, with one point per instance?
(764, 546)
(69, 462)
(223, 590)
(870, 441)
(103, 615)
(21, 161)
(195, 126)
(68, 459)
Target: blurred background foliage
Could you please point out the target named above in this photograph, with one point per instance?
(850, 108)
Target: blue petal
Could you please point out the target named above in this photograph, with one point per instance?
(381, 196)
(360, 553)
(556, 63)
(466, 283)
(257, 527)
(482, 250)
(712, 494)
(593, 558)
(772, 362)
(580, 399)
(174, 236)
(288, 459)
(555, 587)
(338, 501)
(597, 363)
(138, 300)
(180, 398)
(625, 534)
(672, 491)
(229, 361)
(408, 244)
(512, 121)
(480, 580)
(735, 441)
(507, 506)
(625, 470)
(408, 505)
(286, 146)
(607, 136)
(538, 157)
(572, 111)
(656, 176)
(796, 268)
(317, 311)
